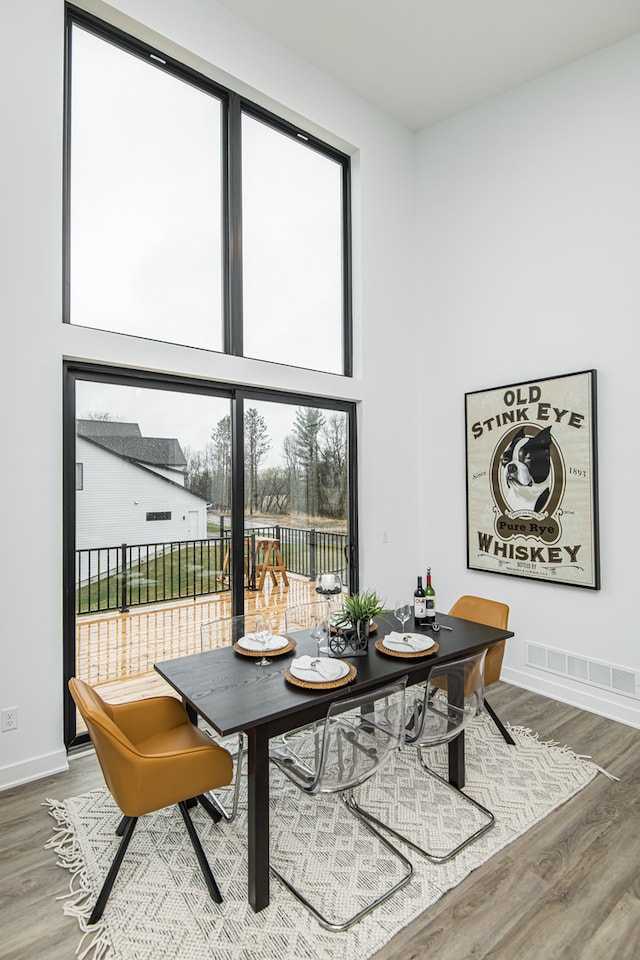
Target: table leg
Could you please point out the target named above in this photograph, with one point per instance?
(258, 818)
(455, 693)
(456, 761)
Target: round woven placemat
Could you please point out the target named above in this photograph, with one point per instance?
(266, 653)
(412, 653)
(329, 685)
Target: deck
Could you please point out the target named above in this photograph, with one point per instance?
(115, 652)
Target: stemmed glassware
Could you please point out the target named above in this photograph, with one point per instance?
(320, 633)
(263, 633)
(402, 611)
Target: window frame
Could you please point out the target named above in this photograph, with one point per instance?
(238, 395)
(233, 106)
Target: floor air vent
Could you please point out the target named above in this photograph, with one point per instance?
(594, 672)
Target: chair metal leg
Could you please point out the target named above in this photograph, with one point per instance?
(449, 855)
(338, 927)
(122, 826)
(212, 886)
(103, 896)
(499, 724)
(215, 802)
(210, 807)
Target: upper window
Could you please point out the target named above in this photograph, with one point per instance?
(292, 250)
(187, 226)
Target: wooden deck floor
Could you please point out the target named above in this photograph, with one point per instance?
(116, 652)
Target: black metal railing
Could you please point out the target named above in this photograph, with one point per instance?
(121, 577)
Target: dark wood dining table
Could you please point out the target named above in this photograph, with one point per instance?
(232, 694)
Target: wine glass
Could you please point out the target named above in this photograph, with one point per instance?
(320, 633)
(263, 634)
(402, 611)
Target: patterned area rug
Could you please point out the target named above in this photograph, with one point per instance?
(159, 906)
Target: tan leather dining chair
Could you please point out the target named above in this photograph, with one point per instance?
(494, 614)
(151, 757)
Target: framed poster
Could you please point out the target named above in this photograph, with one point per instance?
(532, 491)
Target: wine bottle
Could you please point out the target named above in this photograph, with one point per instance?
(430, 596)
(419, 605)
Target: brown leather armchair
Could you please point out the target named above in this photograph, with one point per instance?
(152, 756)
(494, 614)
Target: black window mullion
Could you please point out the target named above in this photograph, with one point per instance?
(237, 504)
(233, 332)
(347, 327)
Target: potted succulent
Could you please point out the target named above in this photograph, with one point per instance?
(354, 619)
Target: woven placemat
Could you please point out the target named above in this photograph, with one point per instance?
(379, 645)
(266, 653)
(329, 685)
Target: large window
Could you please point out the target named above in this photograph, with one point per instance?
(196, 217)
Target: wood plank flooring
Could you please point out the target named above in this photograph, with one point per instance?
(569, 889)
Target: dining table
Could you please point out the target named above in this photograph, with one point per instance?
(232, 694)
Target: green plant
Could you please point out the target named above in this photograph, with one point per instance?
(359, 607)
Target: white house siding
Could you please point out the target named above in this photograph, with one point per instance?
(112, 507)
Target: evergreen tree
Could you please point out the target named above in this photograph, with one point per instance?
(257, 444)
(305, 447)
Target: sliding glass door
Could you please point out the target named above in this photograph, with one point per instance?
(167, 482)
(296, 499)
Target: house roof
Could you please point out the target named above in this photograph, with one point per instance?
(126, 440)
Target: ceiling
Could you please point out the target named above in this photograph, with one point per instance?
(422, 61)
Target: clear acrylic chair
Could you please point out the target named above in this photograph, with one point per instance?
(449, 701)
(359, 736)
(301, 616)
(224, 633)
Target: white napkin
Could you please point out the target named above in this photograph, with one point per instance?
(251, 642)
(326, 669)
(416, 643)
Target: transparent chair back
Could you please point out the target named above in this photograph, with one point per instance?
(302, 615)
(358, 736)
(226, 631)
(450, 700)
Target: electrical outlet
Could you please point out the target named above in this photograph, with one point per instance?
(384, 536)
(9, 719)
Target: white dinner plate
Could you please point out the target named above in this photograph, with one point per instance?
(415, 643)
(251, 642)
(328, 670)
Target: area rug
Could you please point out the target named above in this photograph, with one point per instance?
(159, 906)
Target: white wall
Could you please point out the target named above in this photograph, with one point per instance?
(35, 340)
(529, 245)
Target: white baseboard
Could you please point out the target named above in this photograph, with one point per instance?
(34, 769)
(613, 708)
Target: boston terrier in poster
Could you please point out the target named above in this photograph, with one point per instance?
(526, 463)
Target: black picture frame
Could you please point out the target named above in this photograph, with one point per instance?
(532, 480)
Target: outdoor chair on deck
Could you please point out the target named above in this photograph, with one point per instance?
(494, 614)
(443, 707)
(151, 757)
(359, 736)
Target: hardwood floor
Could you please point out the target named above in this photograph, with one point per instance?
(569, 889)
